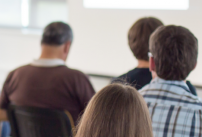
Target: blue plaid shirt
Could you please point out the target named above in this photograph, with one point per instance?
(174, 111)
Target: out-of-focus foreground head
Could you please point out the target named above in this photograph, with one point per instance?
(174, 50)
(138, 36)
(56, 40)
(116, 111)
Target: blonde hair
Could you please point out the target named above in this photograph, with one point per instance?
(116, 111)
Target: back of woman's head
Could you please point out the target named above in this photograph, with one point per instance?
(116, 111)
(138, 36)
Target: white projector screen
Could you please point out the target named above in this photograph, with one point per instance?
(138, 4)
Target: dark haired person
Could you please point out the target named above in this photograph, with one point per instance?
(174, 111)
(138, 39)
(47, 82)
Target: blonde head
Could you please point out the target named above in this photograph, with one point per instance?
(116, 111)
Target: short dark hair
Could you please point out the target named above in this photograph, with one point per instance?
(138, 36)
(57, 33)
(175, 51)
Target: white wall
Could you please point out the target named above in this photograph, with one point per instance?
(100, 42)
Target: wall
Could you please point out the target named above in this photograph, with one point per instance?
(100, 42)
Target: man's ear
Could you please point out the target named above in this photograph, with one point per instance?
(67, 47)
(151, 64)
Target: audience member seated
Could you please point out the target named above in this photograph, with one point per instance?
(138, 39)
(47, 82)
(174, 111)
(116, 111)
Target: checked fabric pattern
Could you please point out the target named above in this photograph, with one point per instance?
(174, 111)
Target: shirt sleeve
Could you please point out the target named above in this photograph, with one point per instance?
(4, 98)
(85, 90)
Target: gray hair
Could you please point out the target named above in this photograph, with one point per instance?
(56, 34)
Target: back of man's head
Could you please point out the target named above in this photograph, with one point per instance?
(138, 36)
(56, 34)
(175, 51)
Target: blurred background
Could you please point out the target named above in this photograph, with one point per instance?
(100, 27)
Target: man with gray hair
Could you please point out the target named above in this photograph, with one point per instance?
(47, 82)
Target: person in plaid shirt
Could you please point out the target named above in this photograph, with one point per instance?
(174, 111)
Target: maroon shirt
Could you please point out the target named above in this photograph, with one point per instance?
(48, 87)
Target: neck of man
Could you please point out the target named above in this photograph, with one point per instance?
(143, 64)
(51, 52)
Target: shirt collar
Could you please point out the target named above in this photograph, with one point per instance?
(48, 62)
(180, 87)
(170, 82)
